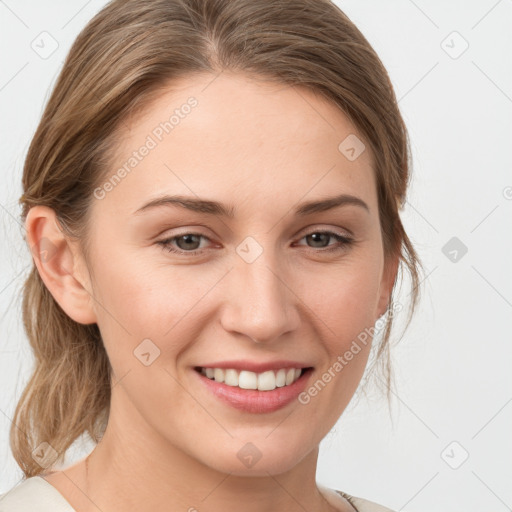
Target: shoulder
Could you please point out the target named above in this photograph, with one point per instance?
(34, 494)
(362, 505)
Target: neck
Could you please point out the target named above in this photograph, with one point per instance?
(135, 469)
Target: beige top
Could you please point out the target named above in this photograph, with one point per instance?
(35, 494)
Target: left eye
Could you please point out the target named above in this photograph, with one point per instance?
(189, 243)
(320, 236)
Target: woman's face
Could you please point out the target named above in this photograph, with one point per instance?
(254, 288)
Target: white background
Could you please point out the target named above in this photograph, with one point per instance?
(453, 364)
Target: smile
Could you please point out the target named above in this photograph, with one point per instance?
(265, 381)
(254, 392)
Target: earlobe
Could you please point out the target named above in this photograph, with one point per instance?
(387, 282)
(58, 263)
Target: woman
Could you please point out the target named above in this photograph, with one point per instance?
(267, 136)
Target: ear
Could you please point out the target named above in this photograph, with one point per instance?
(387, 282)
(60, 264)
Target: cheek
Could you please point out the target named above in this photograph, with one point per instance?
(343, 300)
(140, 300)
(343, 304)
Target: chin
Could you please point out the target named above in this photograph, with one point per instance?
(258, 458)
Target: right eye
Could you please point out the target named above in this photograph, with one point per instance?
(184, 239)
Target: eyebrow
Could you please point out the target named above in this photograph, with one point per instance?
(215, 208)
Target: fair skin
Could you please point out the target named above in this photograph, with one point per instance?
(261, 148)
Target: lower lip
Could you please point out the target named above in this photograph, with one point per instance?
(252, 400)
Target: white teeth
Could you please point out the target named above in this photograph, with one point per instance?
(265, 381)
(247, 380)
(231, 378)
(218, 374)
(290, 375)
(281, 378)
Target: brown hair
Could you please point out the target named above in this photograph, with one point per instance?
(122, 59)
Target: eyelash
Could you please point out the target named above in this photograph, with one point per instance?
(343, 240)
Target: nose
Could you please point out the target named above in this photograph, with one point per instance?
(260, 303)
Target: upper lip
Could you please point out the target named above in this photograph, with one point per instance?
(255, 367)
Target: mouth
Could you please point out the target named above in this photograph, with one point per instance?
(255, 392)
(245, 379)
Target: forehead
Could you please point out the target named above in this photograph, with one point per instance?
(238, 138)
